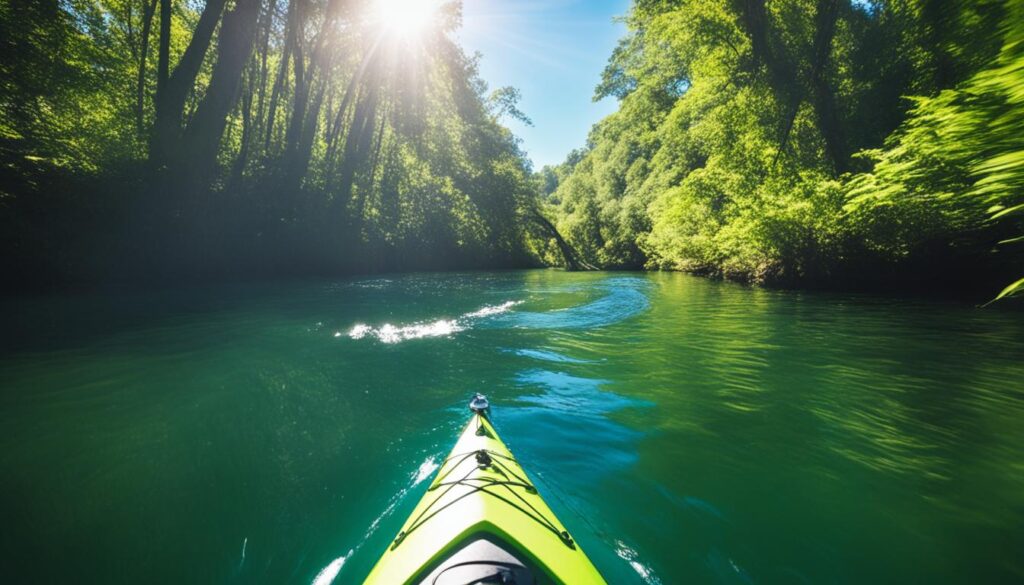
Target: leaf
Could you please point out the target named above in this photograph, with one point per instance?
(1009, 291)
(1008, 211)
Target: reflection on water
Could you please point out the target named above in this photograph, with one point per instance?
(573, 413)
(572, 395)
(572, 424)
(550, 356)
(683, 430)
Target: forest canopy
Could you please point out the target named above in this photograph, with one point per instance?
(833, 142)
(840, 143)
(189, 137)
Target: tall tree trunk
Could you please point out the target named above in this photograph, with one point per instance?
(298, 160)
(300, 98)
(306, 114)
(201, 140)
(375, 145)
(282, 76)
(354, 84)
(170, 105)
(357, 141)
(573, 262)
(243, 152)
(334, 132)
(781, 74)
(140, 96)
(379, 145)
(823, 96)
(164, 51)
(268, 24)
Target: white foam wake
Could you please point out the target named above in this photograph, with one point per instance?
(389, 333)
(629, 555)
(426, 469)
(328, 574)
(492, 310)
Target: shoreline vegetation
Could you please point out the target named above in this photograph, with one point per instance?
(814, 143)
(841, 144)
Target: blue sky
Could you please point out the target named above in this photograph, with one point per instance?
(554, 52)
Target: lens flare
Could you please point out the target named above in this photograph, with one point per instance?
(407, 18)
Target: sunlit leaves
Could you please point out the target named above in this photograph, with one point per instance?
(723, 155)
(1013, 289)
(957, 163)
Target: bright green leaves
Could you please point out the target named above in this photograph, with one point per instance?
(1011, 290)
(956, 165)
(736, 119)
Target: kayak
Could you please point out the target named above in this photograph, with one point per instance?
(482, 521)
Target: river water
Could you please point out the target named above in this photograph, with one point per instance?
(685, 431)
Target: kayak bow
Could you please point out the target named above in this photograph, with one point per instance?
(482, 521)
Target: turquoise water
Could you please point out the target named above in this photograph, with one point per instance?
(686, 431)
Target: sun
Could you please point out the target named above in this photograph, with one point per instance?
(407, 18)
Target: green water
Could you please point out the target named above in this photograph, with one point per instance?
(685, 431)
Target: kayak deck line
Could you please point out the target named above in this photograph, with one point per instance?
(482, 521)
(484, 460)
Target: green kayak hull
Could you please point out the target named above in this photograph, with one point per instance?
(482, 520)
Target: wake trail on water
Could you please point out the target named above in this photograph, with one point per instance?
(623, 298)
(389, 333)
(328, 574)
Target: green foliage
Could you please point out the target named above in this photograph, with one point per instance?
(305, 135)
(1013, 289)
(505, 102)
(60, 96)
(771, 141)
(956, 166)
(787, 141)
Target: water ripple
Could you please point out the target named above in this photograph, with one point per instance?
(624, 298)
(630, 555)
(550, 356)
(567, 393)
(329, 573)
